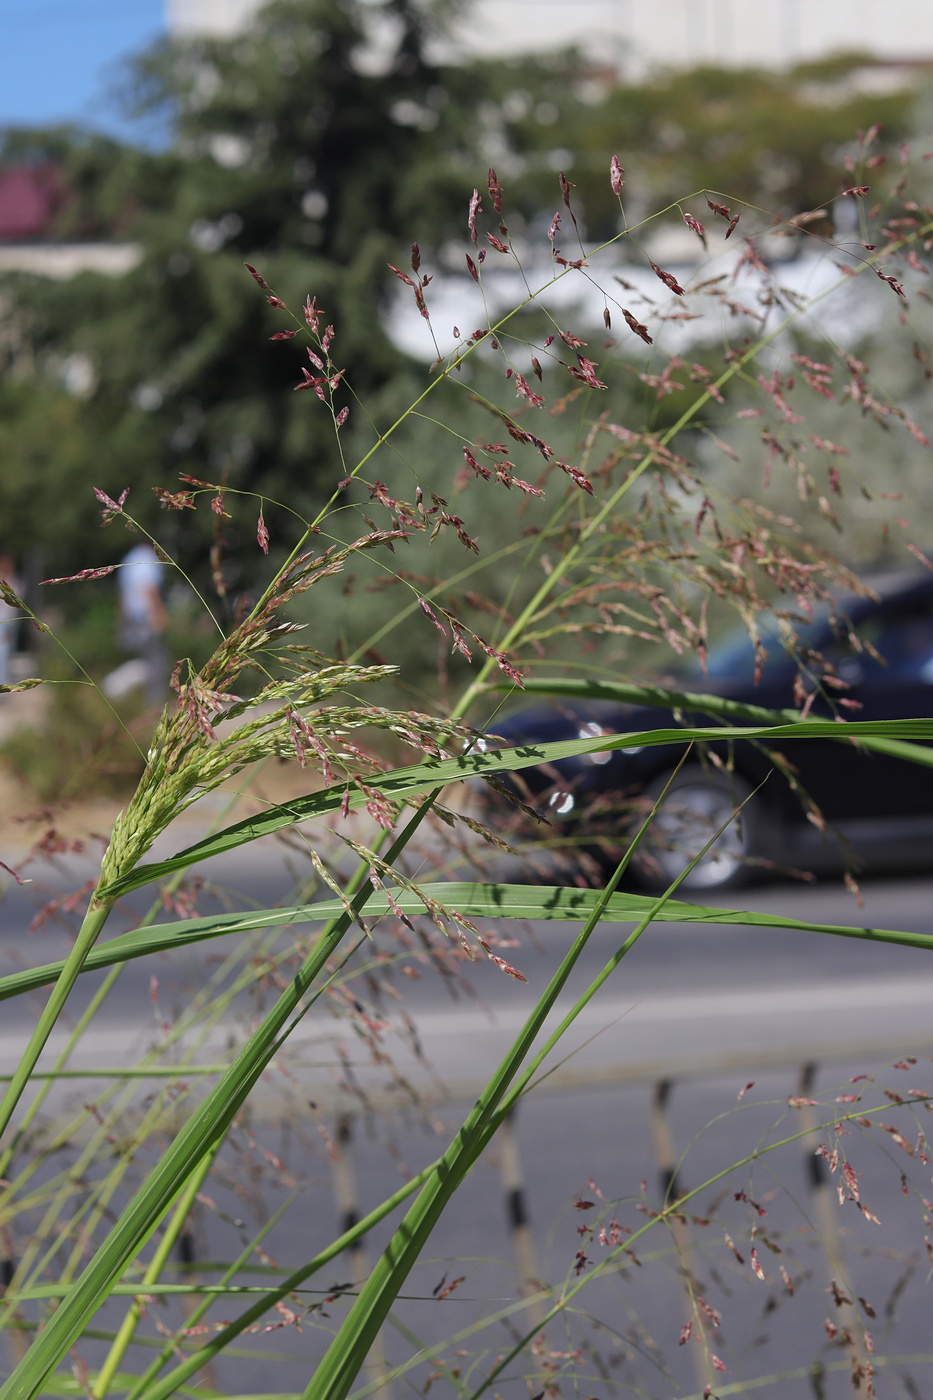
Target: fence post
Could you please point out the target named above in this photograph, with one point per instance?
(516, 1212)
(824, 1211)
(672, 1188)
(187, 1257)
(16, 1328)
(348, 1213)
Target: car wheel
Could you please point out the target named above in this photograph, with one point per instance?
(697, 804)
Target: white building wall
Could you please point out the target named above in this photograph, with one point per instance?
(64, 260)
(639, 34)
(208, 16)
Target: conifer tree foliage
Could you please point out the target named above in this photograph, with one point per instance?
(313, 144)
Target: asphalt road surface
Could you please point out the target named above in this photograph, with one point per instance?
(705, 1010)
(686, 996)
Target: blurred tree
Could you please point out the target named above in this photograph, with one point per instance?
(316, 145)
(776, 139)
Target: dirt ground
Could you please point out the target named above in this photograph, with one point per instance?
(24, 818)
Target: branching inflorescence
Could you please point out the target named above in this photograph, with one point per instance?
(634, 476)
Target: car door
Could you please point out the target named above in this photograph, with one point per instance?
(890, 678)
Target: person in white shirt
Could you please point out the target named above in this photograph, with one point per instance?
(142, 615)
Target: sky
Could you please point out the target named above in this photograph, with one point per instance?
(57, 58)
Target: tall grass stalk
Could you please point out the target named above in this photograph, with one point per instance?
(633, 554)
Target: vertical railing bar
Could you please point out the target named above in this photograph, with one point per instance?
(517, 1213)
(672, 1188)
(824, 1213)
(346, 1195)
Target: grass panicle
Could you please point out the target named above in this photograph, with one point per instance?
(542, 545)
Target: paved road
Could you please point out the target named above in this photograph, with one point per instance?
(710, 1007)
(686, 994)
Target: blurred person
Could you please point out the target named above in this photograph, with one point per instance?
(143, 618)
(9, 619)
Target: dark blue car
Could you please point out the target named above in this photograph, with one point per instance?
(816, 805)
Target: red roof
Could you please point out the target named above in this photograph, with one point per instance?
(29, 198)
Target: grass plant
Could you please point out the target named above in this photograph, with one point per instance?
(623, 551)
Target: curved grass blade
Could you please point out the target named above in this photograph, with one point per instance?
(434, 773)
(474, 900)
(625, 693)
(348, 1350)
(167, 1179)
